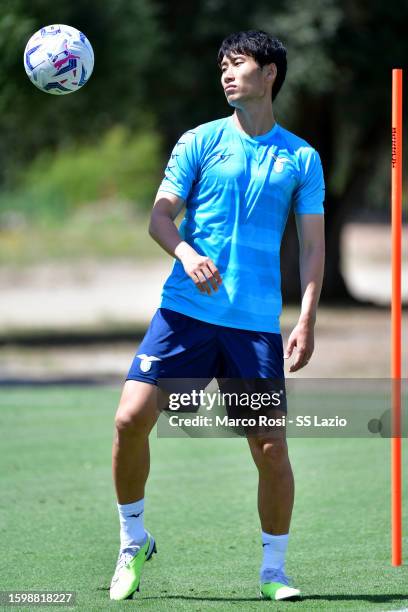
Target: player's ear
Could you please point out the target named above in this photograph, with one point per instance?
(270, 72)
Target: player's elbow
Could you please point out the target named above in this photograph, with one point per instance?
(312, 249)
(154, 224)
(151, 228)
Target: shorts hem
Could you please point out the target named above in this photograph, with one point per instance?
(142, 379)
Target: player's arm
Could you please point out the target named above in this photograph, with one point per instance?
(310, 229)
(163, 230)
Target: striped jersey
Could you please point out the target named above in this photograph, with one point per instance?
(238, 191)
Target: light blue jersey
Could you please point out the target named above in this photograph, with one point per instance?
(238, 191)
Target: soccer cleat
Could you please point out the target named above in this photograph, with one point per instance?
(275, 585)
(126, 579)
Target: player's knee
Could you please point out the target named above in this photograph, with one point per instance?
(274, 453)
(129, 420)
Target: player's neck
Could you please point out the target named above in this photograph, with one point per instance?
(254, 121)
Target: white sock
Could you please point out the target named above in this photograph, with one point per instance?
(132, 531)
(274, 551)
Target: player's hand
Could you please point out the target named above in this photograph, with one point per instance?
(202, 271)
(301, 338)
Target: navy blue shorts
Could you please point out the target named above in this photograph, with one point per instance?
(178, 346)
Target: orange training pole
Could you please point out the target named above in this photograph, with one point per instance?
(396, 222)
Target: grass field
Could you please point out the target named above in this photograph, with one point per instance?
(59, 528)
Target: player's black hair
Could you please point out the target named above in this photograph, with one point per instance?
(262, 47)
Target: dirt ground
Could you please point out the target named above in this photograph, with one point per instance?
(96, 298)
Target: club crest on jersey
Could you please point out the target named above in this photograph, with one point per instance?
(146, 361)
(279, 163)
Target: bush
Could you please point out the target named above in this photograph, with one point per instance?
(121, 166)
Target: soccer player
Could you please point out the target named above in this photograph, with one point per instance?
(238, 178)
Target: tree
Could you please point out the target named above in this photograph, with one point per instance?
(336, 96)
(156, 62)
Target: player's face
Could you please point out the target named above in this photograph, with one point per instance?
(243, 79)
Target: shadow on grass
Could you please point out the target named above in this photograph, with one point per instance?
(368, 598)
(375, 599)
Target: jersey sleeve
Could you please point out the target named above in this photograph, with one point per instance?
(309, 195)
(182, 167)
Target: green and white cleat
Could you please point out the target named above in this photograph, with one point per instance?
(275, 585)
(126, 579)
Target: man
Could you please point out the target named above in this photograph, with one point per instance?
(237, 177)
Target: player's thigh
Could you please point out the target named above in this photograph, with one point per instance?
(253, 372)
(248, 354)
(175, 347)
(139, 407)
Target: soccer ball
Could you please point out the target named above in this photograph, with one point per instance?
(58, 59)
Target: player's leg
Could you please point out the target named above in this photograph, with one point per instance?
(254, 363)
(174, 346)
(275, 482)
(275, 504)
(136, 415)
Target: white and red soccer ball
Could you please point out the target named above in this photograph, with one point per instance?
(58, 59)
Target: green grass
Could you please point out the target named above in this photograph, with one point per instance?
(59, 528)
